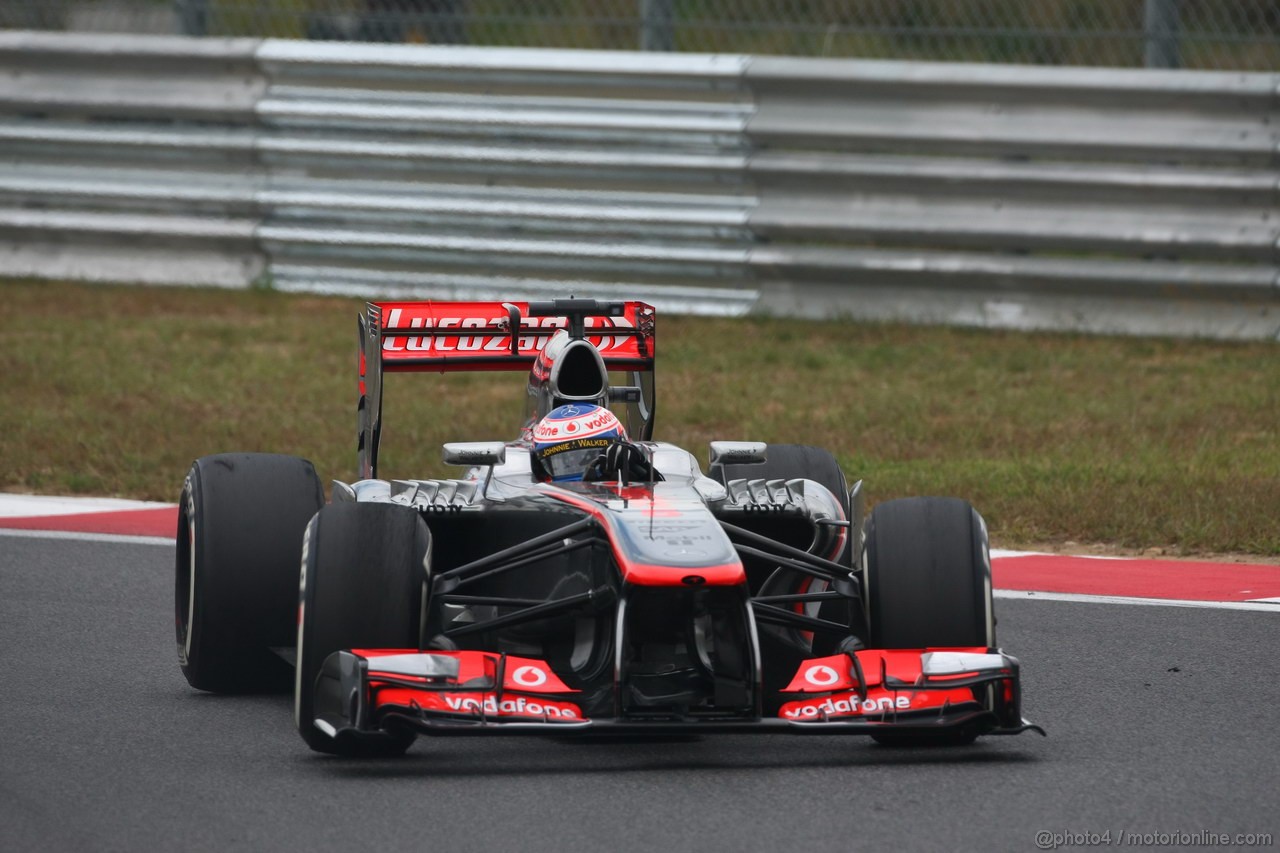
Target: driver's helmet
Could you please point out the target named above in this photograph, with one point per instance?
(570, 437)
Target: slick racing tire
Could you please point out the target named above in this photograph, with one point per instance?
(364, 583)
(239, 539)
(928, 583)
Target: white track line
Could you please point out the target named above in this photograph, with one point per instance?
(1262, 604)
(21, 506)
(87, 537)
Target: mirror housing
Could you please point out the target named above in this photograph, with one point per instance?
(471, 453)
(738, 452)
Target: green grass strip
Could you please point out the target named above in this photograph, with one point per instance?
(1134, 442)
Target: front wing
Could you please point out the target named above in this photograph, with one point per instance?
(370, 694)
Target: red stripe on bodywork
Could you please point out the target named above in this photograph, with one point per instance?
(643, 574)
(730, 574)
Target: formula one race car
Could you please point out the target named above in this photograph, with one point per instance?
(582, 578)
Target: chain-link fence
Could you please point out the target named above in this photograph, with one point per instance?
(1221, 34)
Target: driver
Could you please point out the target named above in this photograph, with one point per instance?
(583, 441)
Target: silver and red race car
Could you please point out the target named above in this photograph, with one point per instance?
(648, 597)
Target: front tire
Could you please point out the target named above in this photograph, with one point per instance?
(239, 536)
(364, 583)
(928, 584)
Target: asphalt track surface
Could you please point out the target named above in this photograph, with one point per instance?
(1160, 719)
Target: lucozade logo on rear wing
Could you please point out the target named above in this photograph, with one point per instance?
(477, 334)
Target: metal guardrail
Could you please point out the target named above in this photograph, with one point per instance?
(1033, 197)
(508, 171)
(1241, 35)
(1088, 199)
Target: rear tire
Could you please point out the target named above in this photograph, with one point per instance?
(239, 538)
(928, 584)
(363, 586)
(787, 462)
(790, 462)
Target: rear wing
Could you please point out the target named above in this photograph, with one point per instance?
(447, 337)
(454, 336)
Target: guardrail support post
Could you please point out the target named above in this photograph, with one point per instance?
(193, 17)
(1161, 30)
(657, 25)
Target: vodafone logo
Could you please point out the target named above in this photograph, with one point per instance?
(821, 675)
(529, 676)
(570, 421)
(845, 706)
(518, 707)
